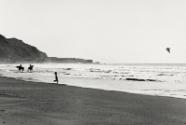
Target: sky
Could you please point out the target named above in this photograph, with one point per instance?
(111, 31)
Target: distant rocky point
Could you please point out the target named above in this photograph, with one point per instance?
(13, 50)
(68, 60)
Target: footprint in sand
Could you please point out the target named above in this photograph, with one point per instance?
(2, 110)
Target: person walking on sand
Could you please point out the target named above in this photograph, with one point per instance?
(56, 77)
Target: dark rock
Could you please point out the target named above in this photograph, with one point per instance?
(135, 79)
(67, 60)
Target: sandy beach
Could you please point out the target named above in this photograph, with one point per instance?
(31, 103)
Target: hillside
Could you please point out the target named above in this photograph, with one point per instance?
(14, 50)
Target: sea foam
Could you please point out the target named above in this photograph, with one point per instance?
(162, 80)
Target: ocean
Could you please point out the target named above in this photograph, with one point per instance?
(151, 79)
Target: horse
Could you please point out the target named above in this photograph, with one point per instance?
(20, 68)
(30, 68)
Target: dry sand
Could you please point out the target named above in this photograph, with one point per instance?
(29, 103)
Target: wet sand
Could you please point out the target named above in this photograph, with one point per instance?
(31, 103)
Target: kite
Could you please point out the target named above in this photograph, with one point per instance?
(168, 49)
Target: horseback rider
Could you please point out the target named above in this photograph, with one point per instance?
(30, 68)
(20, 67)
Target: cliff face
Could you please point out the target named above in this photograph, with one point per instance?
(15, 50)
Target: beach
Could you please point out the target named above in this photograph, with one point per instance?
(148, 79)
(34, 103)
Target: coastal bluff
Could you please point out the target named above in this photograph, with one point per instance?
(13, 50)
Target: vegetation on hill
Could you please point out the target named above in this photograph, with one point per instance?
(15, 50)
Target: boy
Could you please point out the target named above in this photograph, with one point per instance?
(56, 77)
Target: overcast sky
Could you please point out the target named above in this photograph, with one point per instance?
(103, 30)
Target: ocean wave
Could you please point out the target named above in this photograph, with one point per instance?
(99, 70)
(152, 80)
(67, 68)
(139, 79)
(165, 74)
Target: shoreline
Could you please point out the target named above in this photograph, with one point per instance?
(98, 78)
(73, 82)
(31, 103)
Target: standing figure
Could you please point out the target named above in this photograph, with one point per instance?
(56, 77)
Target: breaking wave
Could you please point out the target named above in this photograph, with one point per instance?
(163, 80)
